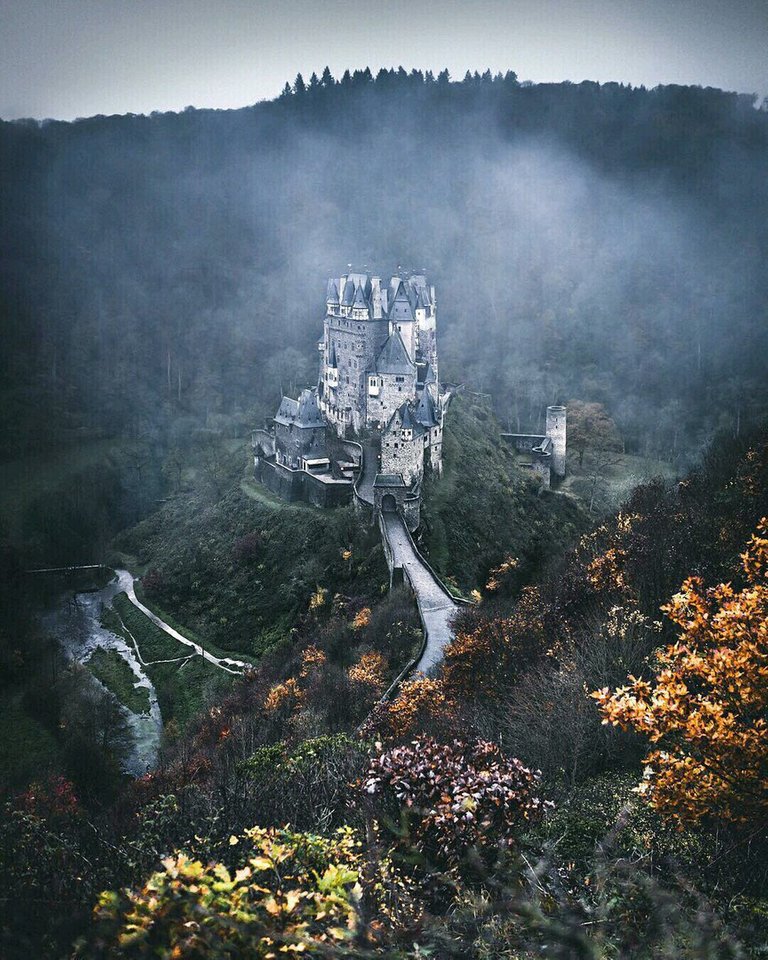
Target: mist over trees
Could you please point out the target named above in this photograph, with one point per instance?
(587, 241)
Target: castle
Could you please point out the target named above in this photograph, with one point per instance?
(378, 374)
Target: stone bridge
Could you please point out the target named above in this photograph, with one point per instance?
(437, 606)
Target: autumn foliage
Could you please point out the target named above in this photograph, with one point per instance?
(492, 649)
(706, 710)
(463, 795)
(294, 894)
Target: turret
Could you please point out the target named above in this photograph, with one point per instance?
(556, 433)
(376, 304)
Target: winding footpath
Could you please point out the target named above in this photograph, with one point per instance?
(436, 606)
(126, 582)
(368, 476)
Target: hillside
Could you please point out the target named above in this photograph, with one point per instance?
(384, 805)
(484, 509)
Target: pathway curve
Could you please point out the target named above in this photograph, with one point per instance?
(436, 606)
(370, 469)
(126, 582)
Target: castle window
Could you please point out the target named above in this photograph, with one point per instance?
(399, 379)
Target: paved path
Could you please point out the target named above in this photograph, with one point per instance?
(370, 469)
(436, 607)
(126, 581)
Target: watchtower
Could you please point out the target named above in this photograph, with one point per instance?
(556, 433)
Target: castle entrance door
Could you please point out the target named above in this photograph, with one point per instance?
(388, 503)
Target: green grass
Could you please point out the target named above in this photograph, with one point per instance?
(27, 750)
(116, 675)
(484, 509)
(185, 631)
(184, 686)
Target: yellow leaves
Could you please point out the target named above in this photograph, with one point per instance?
(318, 598)
(283, 694)
(311, 657)
(346, 554)
(362, 618)
(499, 573)
(370, 671)
(188, 908)
(707, 703)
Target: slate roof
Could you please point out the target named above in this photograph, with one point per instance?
(425, 411)
(407, 418)
(349, 294)
(332, 296)
(393, 357)
(303, 412)
(309, 412)
(401, 308)
(360, 300)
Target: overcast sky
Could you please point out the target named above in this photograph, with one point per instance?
(75, 58)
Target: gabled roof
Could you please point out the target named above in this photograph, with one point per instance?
(309, 412)
(393, 357)
(407, 420)
(332, 296)
(401, 308)
(287, 411)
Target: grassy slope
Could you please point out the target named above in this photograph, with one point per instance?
(113, 671)
(182, 686)
(238, 573)
(484, 508)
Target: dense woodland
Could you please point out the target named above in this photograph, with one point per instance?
(587, 241)
(585, 774)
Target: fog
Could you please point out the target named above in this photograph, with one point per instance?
(598, 243)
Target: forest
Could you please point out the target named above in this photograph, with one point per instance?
(586, 774)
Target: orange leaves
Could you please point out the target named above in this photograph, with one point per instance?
(706, 709)
(370, 671)
(494, 649)
(362, 618)
(312, 657)
(419, 701)
(286, 694)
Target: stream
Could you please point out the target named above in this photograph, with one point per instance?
(75, 624)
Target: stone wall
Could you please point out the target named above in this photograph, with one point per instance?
(405, 457)
(393, 391)
(298, 485)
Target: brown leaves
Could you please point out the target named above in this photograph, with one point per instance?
(462, 794)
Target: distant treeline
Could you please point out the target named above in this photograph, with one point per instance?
(589, 241)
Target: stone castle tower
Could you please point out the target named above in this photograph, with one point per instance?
(379, 348)
(556, 433)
